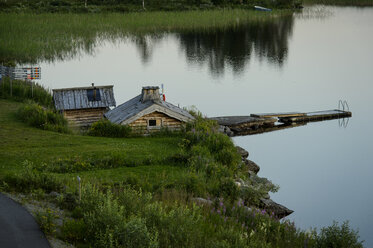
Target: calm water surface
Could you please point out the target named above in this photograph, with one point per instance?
(298, 63)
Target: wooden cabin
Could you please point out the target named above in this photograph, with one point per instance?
(148, 112)
(83, 106)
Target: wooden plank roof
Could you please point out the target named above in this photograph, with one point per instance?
(77, 98)
(135, 108)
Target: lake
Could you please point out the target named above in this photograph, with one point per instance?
(301, 62)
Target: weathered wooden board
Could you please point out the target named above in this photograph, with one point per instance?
(317, 116)
(162, 120)
(84, 117)
(277, 115)
(267, 129)
(239, 120)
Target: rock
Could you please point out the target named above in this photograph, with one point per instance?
(244, 154)
(251, 166)
(279, 210)
(226, 130)
(202, 201)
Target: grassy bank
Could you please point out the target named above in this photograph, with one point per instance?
(36, 37)
(360, 3)
(145, 200)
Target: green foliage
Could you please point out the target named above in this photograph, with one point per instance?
(46, 220)
(203, 133)
(21, 90)
(107, 224)
(136, 235)
(254, 188)
(336, 236)
(29, 179)
(73, 230)
(213, 155)
(105, 128)
(43, 118)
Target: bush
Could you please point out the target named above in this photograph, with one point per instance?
(112, 221)
(20, 90)
(30, 179)
(74, 230)
(46, 220)
(336, 236)
(105, 128)
(136, 235)
(43, 118)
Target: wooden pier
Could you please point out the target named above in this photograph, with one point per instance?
(268, 122)
(317, 116)
(239, 124)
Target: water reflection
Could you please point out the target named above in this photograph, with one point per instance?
(146, 44)
(218, 49)
(232, 48)
(235, 47)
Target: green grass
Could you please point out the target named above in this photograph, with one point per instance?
(20, 142)
(33, 38)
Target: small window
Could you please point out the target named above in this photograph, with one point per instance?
(152, 123)
(93, 95)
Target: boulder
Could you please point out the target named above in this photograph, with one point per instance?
(279, 210)
(251, 166)
(226, 130)
(244, 154)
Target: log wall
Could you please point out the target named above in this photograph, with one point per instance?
(162, 120)
(84, 117)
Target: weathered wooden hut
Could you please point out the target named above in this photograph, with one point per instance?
(83, 106)
(148, 112)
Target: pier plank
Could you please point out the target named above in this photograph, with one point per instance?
(277, 115)
(317, 116)
(239, 120)
(260, 123)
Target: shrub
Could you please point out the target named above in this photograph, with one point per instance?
(178, 227)
(103, 216)
(134, 201)
(105, 128)
(136, 235)
(40, 117)
(336, 236)
(46, 220)
(113, 221)
(74, 230)
(194, 185)
(30, 179)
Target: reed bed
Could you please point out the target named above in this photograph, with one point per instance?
(356, 3)
(31, 38)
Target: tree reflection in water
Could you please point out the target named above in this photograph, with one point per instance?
(234, 47)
